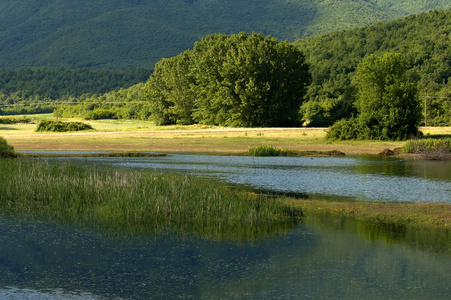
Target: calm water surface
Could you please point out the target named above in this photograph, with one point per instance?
(319, 259)
(359, 178)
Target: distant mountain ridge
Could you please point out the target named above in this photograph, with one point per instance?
(121, 34)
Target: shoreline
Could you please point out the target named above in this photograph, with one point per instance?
(426, 215)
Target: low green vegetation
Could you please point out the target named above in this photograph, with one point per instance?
(379, 213)
(267, 150)
(7, 151)
(59, 126)
(432, 149)
(121, 199)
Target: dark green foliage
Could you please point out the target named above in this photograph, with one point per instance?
(387, 102)
(58, 126)
(122, 34)
(238, 80)
(7, 151)
(333, 57)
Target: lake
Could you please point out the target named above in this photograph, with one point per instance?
(323, 257)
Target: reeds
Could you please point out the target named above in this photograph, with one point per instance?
(267, 150)
(431, 149)
(131, 200)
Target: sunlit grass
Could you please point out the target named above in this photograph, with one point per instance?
(134, 135)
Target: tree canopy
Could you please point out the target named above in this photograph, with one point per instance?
(237, 80)
(387, 102)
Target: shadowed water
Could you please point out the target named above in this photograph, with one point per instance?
(322, 258)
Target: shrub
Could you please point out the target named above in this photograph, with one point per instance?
(7, 151)
(345, 130)
(58, 126)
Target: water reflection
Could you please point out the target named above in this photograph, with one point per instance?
(320, 259)
(361, 178)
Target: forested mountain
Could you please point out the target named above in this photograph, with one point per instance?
(138, 33)
(425, 40)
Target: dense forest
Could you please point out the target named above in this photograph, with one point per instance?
(424, 39)
(118, 34)
(39, 90)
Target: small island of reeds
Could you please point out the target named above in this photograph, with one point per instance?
(138, 201)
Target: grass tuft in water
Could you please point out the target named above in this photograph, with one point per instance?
(267, 150)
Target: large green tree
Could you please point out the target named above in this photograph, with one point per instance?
(237, 80)
(387, 102)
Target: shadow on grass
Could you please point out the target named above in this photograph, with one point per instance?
(7, 128)
(438, 136)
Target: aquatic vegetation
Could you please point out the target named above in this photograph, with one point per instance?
(58, 126)
(432, 149)
(267, 150)
(130, 200)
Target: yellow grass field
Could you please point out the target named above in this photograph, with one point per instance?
(115, 135)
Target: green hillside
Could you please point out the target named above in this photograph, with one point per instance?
(137, 33)
(425, 39)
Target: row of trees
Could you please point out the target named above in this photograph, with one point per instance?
(251, 80)
(237, 80)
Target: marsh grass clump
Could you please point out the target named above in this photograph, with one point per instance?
(59, 126)
(131, 200)
(267, 150)
(7, 151)
(431, 149)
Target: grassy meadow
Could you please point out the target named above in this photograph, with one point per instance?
(130, 135)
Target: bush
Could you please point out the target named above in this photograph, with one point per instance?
(269, 151)
(58, 126)
(346, 130)
(7, 151)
